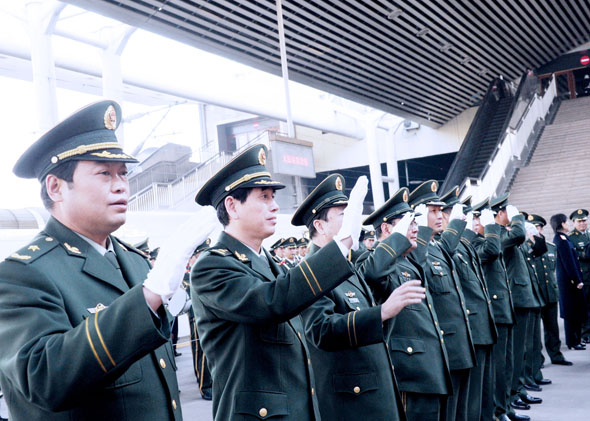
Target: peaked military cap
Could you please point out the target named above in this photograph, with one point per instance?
(579, 214)
(329, 193)
(467, 205)
(477, 208)
(248, 169)
(526, 215)
(536, 220)
(277, 243)
(369, 234)
(86, 135)
(395, 206)
(154, 253)
(203, 246)
(302, 242)
(426, 193)
(499, 202)
(290, 242)
(451, 198)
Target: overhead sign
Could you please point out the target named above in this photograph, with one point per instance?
(585, 60)
(292, 159)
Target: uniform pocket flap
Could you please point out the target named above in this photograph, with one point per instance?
(355, 384)
(448, 329)
(407, 345)
(263, 405)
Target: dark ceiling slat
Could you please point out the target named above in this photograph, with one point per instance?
(547, 35)
(576, 14)
(567, 24)
(554, 29)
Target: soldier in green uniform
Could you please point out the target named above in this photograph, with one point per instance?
(416, 344)
(445, 288)
(481, 317)
(247, 310)
(522, 295)
(290, 247)
(489, 248)
(274, 249)
(581, 240)
(534, 247)
(346, 329)
(200, 366)
(355, 254)
(84, 333)
(545, 265)
(302, 245)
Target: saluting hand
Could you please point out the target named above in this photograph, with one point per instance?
(511, 211)
(166, 276)
(409, 292)
(403, 224)
(353, 214)
(422, 218)
(457, 212)
(469, 220)
(487, 217)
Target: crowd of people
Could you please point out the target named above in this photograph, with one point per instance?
(433, 314)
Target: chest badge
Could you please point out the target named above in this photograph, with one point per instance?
(99, 307)
(350, 294)
(405, 274)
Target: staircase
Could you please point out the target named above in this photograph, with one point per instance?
(556, 179)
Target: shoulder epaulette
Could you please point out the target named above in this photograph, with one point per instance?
(128, 247)
(221, 252)
(35, 249)
(571, 233)
(563, 237)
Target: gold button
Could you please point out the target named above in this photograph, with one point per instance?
(410, 350)
(299, 334)
(442, 341)
(358, 308)
(49, 239)
(263, 412)
(356, 390)
(308, 361)
(442, 332)
(312, 391)
(546, 281)
(495, 297)
(489, 301)
(174, 404)
(467, 311)
(430, 306)
(162, 363)
(435, 323)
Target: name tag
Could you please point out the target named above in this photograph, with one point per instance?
(353, 300)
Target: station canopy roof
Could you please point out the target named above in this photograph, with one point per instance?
(423, 60)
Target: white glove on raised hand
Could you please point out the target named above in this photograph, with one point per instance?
(353, 214)
(511, 211)
(469, 220)
(403, 224)
(487, 217)
(166, 276)
(422, 220)
(457, 212)
(531, 229)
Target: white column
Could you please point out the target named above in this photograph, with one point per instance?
(391, 160)
(112, 76)
(41, 18)
(374, 163)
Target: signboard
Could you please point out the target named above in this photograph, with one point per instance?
(584, 60)
(292, 159)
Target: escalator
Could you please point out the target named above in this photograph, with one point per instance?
(486, 130)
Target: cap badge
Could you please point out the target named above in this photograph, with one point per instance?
(405, 196)
(433, 186)
(208, 241)
(262, 157)
(580, 211)
(110, 118)
(338, 183)
(531, 217)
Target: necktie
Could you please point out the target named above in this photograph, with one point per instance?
(113, 260)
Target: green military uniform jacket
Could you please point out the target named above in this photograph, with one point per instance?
(448, 299)
(62, 358)
(527, 249)
(286, 264)
(478, 303)
(545, 266)
(516, 265)
(347, 343)
(355, 254)
(248, 320)
(416, 343)
(490, 251)
(581, 241)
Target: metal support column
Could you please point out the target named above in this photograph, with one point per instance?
(285, 68)
(391, 156)
(374, 162)
(112, 76)
(41, 19)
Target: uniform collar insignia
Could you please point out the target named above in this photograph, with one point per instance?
(241, 256)
(33, 247)
(72, 249)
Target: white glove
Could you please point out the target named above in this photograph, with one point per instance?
(353, 214)
(469, 220)
(487, 217)
(511, 211)
(457, 212)
(531, 229)
(403, 224)
(166, 276)
(422, 220)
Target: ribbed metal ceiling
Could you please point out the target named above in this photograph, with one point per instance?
(423, 60)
